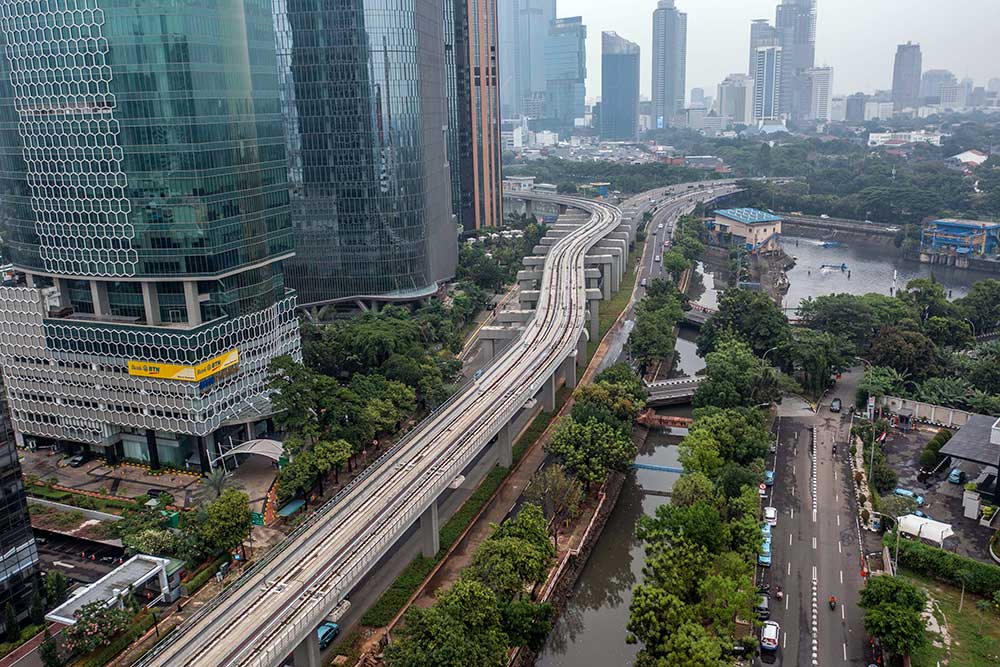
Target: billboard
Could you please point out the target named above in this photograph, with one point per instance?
(196, 373)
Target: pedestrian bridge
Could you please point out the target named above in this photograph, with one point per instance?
(673, 392)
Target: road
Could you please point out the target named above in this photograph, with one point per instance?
(816, 538)
(280, 601)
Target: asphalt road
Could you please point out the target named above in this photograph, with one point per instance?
(815, 545)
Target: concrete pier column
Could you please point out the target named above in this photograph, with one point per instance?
(151, 303)
(569, 371)
(593, 306)
(307, 654)
(581, 349)
(430, 531)
(191, 303)
(548, 395)
(488, 347)
(151, 450)
(505, 448)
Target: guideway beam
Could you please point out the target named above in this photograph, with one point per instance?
(307, 654)
(430, 531)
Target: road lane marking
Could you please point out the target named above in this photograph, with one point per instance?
(786, 602)
(835, 475)
(789, 568)
(814, 516)
(784, 639)
(838, 497)
(791, 510)
(789, 540)
(840, 547)
(843, 614)
(838, 520)
(814, 573)
(841, 576)
(814, 542)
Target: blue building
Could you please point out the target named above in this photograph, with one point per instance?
(961, 237)
(619, 88)
(566, 70)
(756, 230)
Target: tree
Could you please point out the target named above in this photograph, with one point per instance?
(622, 375)
(892, 590)
(298, 476)
(815, 355)
(227, 522)
(982, 304)
(611, 404)
(48, 651)
(37, 606)
(507, 564)
(741, 433)
(908, 352)
(527, 624)
(896, 506)
(675, 263)
(949, 332)
(691, 488)
(751, 317)
(893, 610)
(558, 494)
(735, 378)
(56, 586)
(96, 625)
(332, 455)
(214, 483)
(589, 450)
(12, 629)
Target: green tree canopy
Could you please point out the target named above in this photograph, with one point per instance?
(589, 450)
(751, 317)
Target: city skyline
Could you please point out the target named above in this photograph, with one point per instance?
(719, 39)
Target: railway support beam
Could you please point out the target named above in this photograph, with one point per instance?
(581, 349)
(505, 448)
(593, 310)
(430, 531)
(306, 654)
(548, 395)
(568, 369)
(492, 339)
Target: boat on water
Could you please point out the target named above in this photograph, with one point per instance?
(832, 244)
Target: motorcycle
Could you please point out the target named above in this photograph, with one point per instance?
(833, 603)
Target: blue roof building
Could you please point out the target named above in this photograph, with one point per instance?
(752, 228)
(962, 237)
(748, 216)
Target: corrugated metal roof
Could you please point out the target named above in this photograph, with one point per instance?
(748, 216)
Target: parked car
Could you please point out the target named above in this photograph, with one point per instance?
(763, 608)
(769, 635)
(643, 282)
(78, 460)
(922, 514)
(769, 477)
(660, 226)
(771, 515)
(762, 492)
(774, 446)
(956, 476)
(764, 557)
(326, 633)
(765, 530)
(836, 405)
(906, 493)
(658, 258)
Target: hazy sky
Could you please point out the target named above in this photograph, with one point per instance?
(857, 38)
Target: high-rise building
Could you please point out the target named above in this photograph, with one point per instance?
(698, 97)
(146, 214)
(474, 144)
(566, 71)
(854, 109)
(365, 106)
(956, 95)
(932, 80)
(736, 98)
(762, 33)
(669, 61)
(821, 91)
(795, 23)
(619, 87)
(524, 28)
(767, 83)
(993, 86)
(838, 109)
(18, 556)
(906, 76)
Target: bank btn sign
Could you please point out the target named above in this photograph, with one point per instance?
(197, 373)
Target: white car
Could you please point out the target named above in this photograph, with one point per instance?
(771, 516)
(769, 636)
(660, 226)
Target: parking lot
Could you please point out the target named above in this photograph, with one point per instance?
(942, 499)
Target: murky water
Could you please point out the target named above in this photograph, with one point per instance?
(591, 630)
(871, 268)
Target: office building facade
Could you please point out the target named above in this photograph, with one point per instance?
(524, 28)
(474, 138)
(566, 71)
(669, 62)
(145, 191)
(854, 108)
(932, 80)
(795, 23)
(736, 98)
(619, 116)
(18, 555)
(767, 83)
(762, 33)
(906, 76)
(363, 93)
(820, 93)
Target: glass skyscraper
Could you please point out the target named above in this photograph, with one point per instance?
(18, 557)
(363, 94)
(524, 28)
(619, 88)
(795, 23)
(669, 62)
(566, 71)
(145, 208)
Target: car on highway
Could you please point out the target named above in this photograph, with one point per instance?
(769, 636)
(657, 258)
(769, 477)
(824, 216)
(660, 226)
(836, 405)
(956, 476)
(906, 493)
(892, 228)
(326, 633)
(771, 515)
(764, 557)
(643, 282)
(478, 374)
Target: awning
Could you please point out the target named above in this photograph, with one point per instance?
(927, 529)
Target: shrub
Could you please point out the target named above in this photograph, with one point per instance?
(203, 575)
(984, 578)
(107, 653)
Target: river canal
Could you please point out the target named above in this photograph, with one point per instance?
(591, 630)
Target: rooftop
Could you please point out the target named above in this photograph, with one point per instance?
(748, 216)
(134, 572)
(972, 442)
(966, 224)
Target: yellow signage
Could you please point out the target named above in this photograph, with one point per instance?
(151, 369)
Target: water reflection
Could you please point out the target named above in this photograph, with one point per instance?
(591, 630)
(871, 267)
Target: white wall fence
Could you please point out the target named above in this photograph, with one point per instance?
(927, 412)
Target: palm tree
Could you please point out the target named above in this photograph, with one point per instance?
(214, 484)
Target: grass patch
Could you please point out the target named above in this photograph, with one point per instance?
(26, 634)
(83, 501)
(349, 647)
(392, 600)
(610, 310)
(970, 645)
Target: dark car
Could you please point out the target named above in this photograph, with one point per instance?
(836, 405)
(79, 460)
(763, 608)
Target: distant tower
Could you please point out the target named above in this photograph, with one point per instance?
(796, 26)
(767, 83)
(762, 33)
(619, 87)
(669, 61)
(906, 77)
(566, 70)
(821, 91)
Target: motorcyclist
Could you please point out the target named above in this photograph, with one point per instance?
(833, 602)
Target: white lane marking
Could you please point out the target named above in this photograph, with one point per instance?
(786, 602)
(837, 497)
(814, 573)
(784, 639)
(814, 542)
(841, 576)
(845, 652)
(843, 613)
(789, 540)
(838, 520)
(840, 547)
(789, 568)
(791, 512)
(835, 475)
(814, 514)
